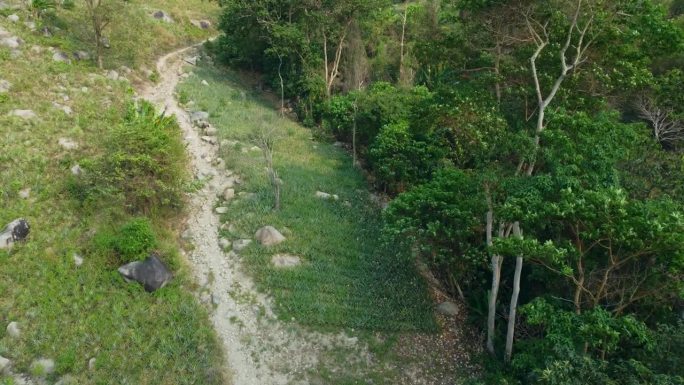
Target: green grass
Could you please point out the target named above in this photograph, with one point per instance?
(348, 278)
(72, 314)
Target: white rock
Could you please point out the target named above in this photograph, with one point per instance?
(76, 170)
(228, 194)
(23, 114)
(4, 86)
(205, 83)
(67, 144)
(13, 18)
(78, 260)
(4, 364)
(60, 56)
(285, 260)
(221, 210)
(113, 75)
(13, 330)
(240, 244)
(43, 367)
(448, 308)
(25, 193)
(209, 139)
(11, 42)
(324, 195)
(268, 236)
(224, 243)
(91, 363)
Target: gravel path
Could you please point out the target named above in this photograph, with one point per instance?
(260, 350)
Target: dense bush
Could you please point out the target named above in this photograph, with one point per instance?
(399, 160)
(144, 166)
(134, 240)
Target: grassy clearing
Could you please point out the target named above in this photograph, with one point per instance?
(348, 279)
(69, 313)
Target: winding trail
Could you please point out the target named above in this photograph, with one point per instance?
(207, 258)
(259, 349)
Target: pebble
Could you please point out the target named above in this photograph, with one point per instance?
(221, 210)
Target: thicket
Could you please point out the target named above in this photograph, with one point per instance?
(142, 168)
(534, 153)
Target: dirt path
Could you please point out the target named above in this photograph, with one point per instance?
(260, 350)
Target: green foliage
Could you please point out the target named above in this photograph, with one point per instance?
(143, 166)
(593, 347)
(442, 219)
(134, 240)
(399, 160)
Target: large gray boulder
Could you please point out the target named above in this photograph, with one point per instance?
(11, 42)
(15, 231)
(152, 273)
(268, 236)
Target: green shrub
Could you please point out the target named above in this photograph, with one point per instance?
(143, 167)
(134, 240)
(400, 161)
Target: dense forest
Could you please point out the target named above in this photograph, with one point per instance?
(533, 153)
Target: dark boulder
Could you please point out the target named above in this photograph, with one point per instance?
(152, 273)
(15, 231)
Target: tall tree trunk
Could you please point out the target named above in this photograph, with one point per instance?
(282, 87)
(510, 333)
(496, 262)
(402, 70)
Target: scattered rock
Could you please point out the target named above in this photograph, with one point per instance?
(112, 75)
(285, 260)
(125, 70)
(30, 25)
(221, 210)
(240, 244)
(81, 55)
(255, 149)
(13, 330)
(210, 130)
(13, 18)
(60, 56)
(67, 144)
(91, 364)
(76, 170)
(23, 114)
(4, 5)
(203, 24)
(45, 31)
(11, 42)
(268, 236)
(209, 139)
(4, 86)
(228, 194)
(25, 193)
(225, 244)
(66, 380)
(15, 231)
(152, 273)
(78, 260)
(448, 308)
(205, 83)
(323, 195)
(66, 109)
(4, 364)
(105, 42)
(198, 116)
(43, 367)
(163, 16)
